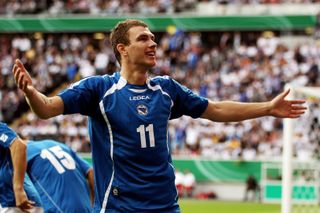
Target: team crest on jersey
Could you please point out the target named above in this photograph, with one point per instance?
(4, 137)
(142, 109)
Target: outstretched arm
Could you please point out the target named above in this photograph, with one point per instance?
(230, 111)
(90, 179)
(19, 161)
(43, 106)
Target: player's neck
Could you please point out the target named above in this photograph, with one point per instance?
(135, 77)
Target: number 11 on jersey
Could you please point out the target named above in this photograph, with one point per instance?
(142, 130)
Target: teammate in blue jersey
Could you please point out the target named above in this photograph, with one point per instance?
(17, 193)
(128, 121)
(62, 179)
(60, 176)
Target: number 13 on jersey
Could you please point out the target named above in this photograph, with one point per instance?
(142, 131)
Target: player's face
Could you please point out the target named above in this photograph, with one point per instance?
(142, 48)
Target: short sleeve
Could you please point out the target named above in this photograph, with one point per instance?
(7, 135)
(185, 101)
(83, 165)
(83, 96)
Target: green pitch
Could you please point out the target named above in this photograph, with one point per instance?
(212, 206)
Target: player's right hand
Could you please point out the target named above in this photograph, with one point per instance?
(21, 76)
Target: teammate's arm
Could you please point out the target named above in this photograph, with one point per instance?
(229, 111)
(43, 106)
(18, 156)
(90, 179)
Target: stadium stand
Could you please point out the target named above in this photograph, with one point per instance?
(147, 7)
(230, 62)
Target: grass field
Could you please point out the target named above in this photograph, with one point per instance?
(212, 206)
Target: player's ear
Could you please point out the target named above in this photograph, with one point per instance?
(122, 49)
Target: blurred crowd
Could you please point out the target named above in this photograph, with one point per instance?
(235, 66)
(56, 7)
(185, 183)
(52, 60)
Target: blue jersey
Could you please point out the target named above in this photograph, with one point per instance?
(128, 127)
(59, 175)
(7, 199)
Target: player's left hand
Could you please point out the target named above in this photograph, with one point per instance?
(22, 201)
(282, 108)
(22, 76)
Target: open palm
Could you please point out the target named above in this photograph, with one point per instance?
(282, 108)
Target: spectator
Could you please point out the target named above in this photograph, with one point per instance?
(189, 182)
(179, 182)
(253, 188)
